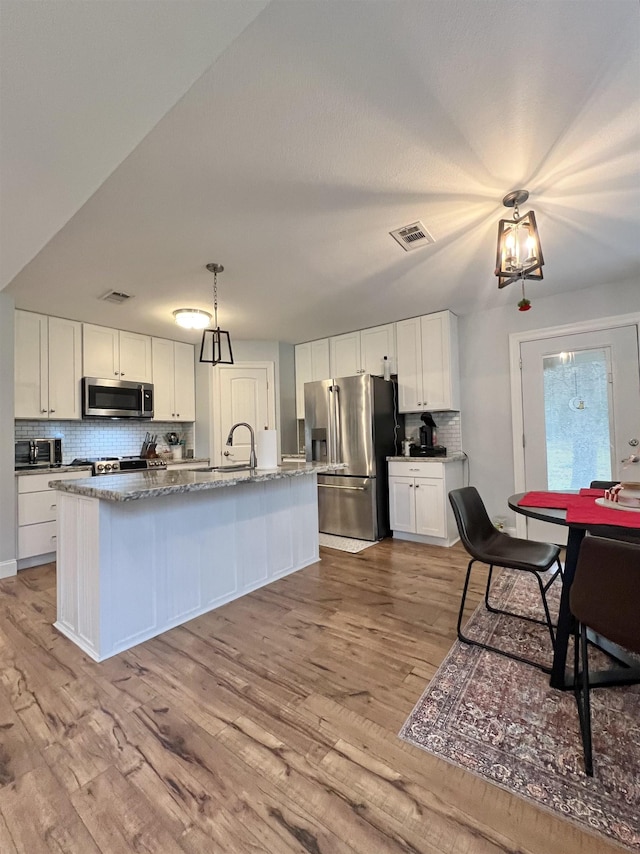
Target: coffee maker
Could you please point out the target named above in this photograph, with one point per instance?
(428, 439)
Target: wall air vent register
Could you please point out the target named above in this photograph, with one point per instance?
(412, 236)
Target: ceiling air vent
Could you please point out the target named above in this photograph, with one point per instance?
(412, 236)
(115, 296)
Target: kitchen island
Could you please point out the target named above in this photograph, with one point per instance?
(141, 553)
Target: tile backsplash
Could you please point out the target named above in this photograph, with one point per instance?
(102, 438)
(448, 429)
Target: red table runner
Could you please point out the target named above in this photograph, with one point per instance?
(582, 509)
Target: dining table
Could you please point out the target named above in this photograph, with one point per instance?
(612, 523)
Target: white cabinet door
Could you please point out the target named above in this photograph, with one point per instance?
(304, 374)
(344, 355)
(65, 368)
(184, 382)
(439, 337)
(163, 379)
(409, 347)
(312, 363)
(430, 509)
(100, 352)
(47, 366)
(376, 343)
(320, 361)
(135, 357)
(31, 365)
(402, 511)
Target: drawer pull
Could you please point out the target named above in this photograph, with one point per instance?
(53, 506)
(351, 488)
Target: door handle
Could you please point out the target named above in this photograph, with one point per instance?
(334, 486)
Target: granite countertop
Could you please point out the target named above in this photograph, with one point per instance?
(450, 458)
(53, 469)
(152, 484)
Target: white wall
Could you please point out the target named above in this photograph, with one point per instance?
(485, 378)
(7, 478)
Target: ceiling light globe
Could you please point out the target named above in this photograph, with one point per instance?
(192, 318)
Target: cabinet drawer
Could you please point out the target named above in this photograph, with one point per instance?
(36, 539)
(416, 469)
(36, 507)
(40, 482)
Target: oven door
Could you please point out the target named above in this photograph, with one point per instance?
(102, 398)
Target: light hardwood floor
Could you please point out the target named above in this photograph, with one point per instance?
(269, 725)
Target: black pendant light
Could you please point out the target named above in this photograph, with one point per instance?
(519, 255)
(216, 343)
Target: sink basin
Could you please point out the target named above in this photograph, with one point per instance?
(238, 467)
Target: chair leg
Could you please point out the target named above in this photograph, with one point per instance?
(472, 642)
(546, 622)
(546, 609)
(586, 728)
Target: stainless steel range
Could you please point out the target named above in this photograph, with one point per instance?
(121, 465)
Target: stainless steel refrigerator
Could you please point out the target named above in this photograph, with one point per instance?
(350, 420)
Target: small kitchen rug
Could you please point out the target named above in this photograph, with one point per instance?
(345, 544)
(499, 719)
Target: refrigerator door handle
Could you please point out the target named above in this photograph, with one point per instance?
(337, 424)
(335, 486)
(330, 436)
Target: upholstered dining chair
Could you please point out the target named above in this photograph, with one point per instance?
(487, 545)
(604, 598)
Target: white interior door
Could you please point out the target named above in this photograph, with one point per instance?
(581, 412)
(246, 394)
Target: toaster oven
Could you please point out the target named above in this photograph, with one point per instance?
(38, 453)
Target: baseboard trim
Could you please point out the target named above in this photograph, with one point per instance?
(8, 568)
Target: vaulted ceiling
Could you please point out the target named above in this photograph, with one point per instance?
(285, 140)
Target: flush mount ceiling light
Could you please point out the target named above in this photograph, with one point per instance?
(519, 255)
(192, 318)
(216, 343)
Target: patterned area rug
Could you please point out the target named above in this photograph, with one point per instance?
(345, 544)
(500, 719)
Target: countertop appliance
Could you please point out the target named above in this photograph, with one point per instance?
(350, 420)
(120, 465)
(38, 453)
(428, 438)
(105, 398)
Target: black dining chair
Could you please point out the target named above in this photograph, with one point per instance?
(487, 545)
(604, 597)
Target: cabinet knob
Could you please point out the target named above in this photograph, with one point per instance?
(116, 373)
(417, 486)
(52, 410)
(122, 373)
(177, 415)
(43, 410)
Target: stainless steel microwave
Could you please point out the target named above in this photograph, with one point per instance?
(38, 453)
(103, 398)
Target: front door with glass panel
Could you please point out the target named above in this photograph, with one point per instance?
(581, 412)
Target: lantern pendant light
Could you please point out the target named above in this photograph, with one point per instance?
(519, 254)
(216, 343)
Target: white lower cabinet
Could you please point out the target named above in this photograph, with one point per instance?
(37, 514)
(419, 508)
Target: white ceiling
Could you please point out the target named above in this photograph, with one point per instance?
(285, 140)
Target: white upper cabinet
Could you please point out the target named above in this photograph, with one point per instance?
(312, 363)
(48, 367)
(376, 343)
(173, 381)
(344, 355)
(428, 371)
(363, 352)
(114, 353)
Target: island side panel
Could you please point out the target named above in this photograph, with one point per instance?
(165, 560)
(78, 571)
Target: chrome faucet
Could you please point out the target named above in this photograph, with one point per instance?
(253, 462)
